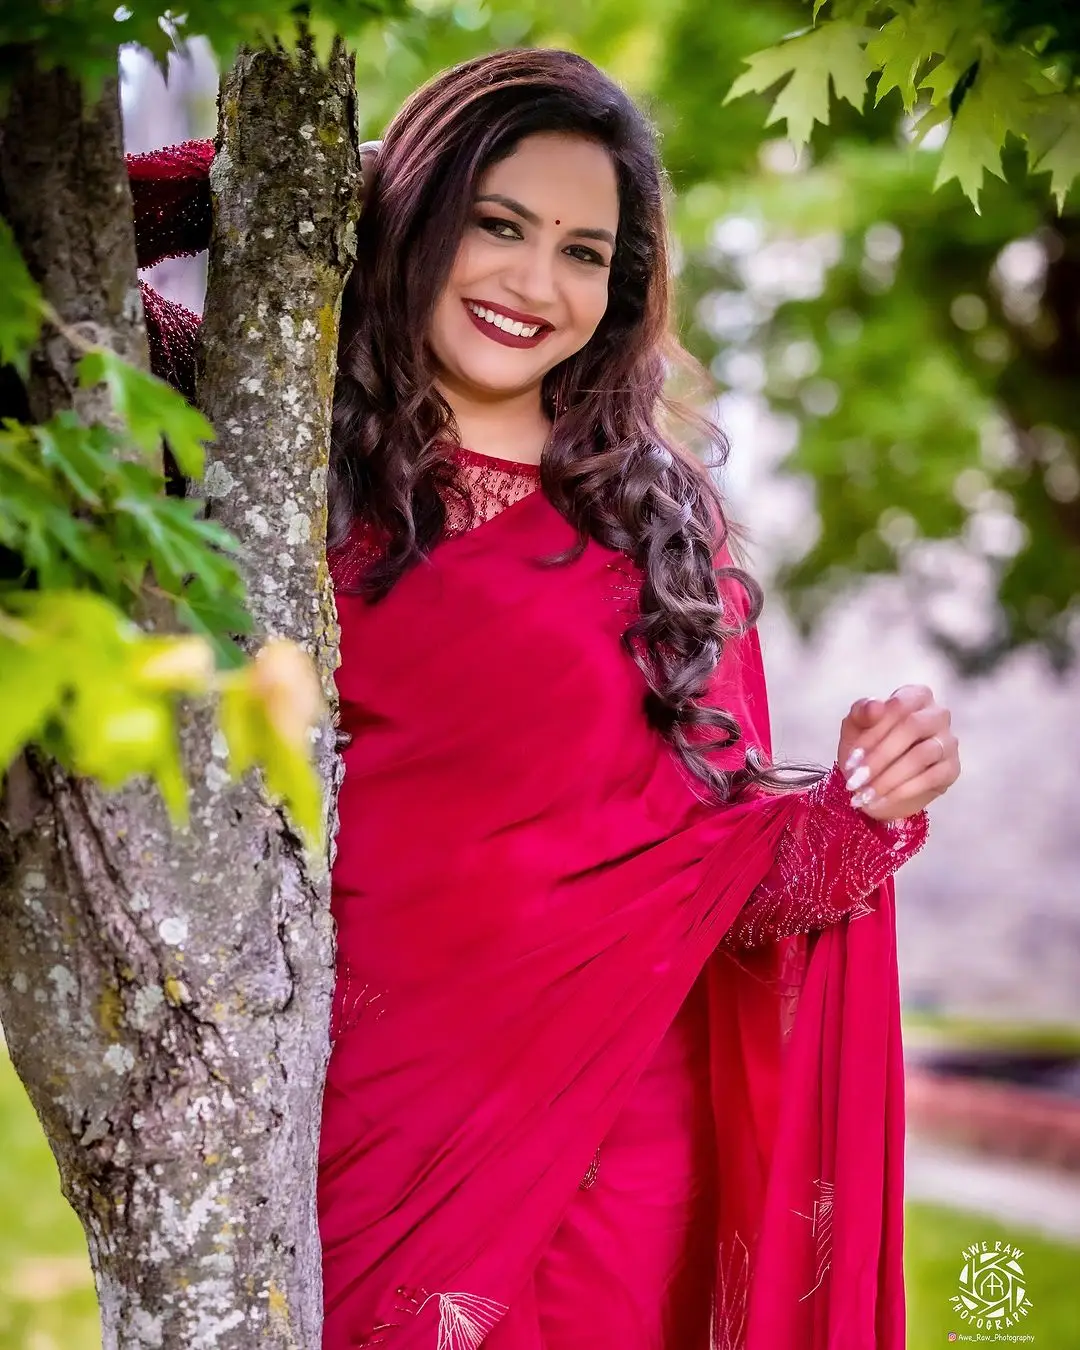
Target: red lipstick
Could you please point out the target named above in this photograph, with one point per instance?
(498, 334)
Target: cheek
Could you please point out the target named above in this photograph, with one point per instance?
(468, 262)
(589, 306)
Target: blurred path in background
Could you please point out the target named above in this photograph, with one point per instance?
(1014, 1193)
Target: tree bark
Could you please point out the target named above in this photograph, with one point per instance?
(165, 993)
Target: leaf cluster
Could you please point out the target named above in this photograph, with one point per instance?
(91, 545)
(82, 36)
(989, 72)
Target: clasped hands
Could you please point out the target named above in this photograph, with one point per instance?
(898, 754)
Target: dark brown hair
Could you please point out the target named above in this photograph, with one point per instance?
(609, 466)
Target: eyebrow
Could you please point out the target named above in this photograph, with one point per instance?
(523, 211)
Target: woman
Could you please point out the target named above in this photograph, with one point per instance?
(616, 1055)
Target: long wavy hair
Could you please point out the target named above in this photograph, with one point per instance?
(611, 466)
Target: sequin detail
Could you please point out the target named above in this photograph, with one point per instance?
(624, 587)
(170, 194)
(830, 859)
(588, 1181)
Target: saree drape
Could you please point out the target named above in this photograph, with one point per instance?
(527, 888)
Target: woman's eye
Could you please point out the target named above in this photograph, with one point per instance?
(587, 255)
(501, 229)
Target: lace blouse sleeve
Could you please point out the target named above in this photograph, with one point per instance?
(170, 198)
(830, 860)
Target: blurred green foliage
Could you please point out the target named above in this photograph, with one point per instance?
(990, 71)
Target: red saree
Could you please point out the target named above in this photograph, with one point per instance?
(588, 1089)
(534, 911)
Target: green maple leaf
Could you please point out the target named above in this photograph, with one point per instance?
(1054, 144)
(809, 61)
(996, 104)
(898, 50)
(972, 148)
(1063, 162)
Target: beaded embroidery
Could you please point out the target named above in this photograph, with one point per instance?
(170, 194)
(830, 859)
(588, 1181)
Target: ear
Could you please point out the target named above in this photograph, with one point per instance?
(369, 151)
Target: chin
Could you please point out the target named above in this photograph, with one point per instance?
(494, 379)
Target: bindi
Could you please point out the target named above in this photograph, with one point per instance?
(558, 222)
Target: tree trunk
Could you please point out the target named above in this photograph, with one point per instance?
(165, 994)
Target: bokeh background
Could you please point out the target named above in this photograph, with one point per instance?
(898, 377)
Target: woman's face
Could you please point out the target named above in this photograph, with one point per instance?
(529, 284)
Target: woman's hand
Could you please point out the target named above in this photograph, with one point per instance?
(898, 754)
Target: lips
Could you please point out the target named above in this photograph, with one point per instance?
(500, 335)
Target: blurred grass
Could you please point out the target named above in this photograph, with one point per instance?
(47, 1298)
(1039, 1038)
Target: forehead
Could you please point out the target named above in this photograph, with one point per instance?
(566, 177)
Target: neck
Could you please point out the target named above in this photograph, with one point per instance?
(514, 427)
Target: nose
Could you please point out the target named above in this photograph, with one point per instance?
(530, 275)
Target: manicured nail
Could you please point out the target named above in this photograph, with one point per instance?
(863, 798)
(858, 778)
(855, 759)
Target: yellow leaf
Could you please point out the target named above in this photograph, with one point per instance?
(265, 725)
(285, 679)
(183, 665)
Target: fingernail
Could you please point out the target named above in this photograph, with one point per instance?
(863, 798)
(855, 759)
(858, 778)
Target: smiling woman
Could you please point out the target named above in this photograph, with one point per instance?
(591, 1086)
(616, 1055)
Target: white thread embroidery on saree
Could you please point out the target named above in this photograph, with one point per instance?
(732, 1289)
(821, 1231)
(350, 1001)
(465, 1319)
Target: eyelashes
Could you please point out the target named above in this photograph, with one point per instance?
(500, 228)
(493, 225)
